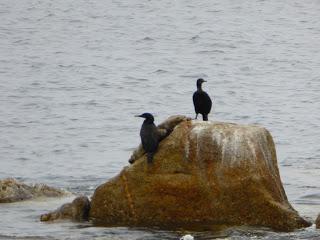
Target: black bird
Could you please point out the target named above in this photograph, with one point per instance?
(149, 136)
(201, 100)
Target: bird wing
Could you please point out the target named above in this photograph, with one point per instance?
(208, 101)
(202, 102)
(149, 137)
(196, 102)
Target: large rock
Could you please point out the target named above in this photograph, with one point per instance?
(12, 190)
(203, 172)
(318, 222)
(77, 210)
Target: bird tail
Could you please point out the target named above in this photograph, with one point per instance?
(150, 157)
(205, 117)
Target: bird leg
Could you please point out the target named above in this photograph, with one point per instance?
(196, 115)
(150, 157)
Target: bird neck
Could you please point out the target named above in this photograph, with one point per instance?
(148, 121)
(199, 87)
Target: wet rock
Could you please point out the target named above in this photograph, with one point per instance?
(318, 222)
(164, 130)
(203, 172)
(12, 190)
(77, 210)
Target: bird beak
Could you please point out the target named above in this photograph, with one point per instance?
(204, 81)
(137, 115)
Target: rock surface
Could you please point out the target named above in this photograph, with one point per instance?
(77, 210)
(203, 172)
(12, 190)
(318, 222)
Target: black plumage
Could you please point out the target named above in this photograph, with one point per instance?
(149, 136)
(201, 100)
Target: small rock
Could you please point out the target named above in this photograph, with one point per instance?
(187, 237)
(318, 222)
(12, 190)
(77, 210)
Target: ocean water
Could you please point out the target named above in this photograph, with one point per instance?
(74, 73)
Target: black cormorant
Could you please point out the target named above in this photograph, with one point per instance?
(201, 100)
(149, 136)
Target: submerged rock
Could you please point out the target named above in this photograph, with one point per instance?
(318, 222)
(203, 172)
(12, 190)
(77, 210)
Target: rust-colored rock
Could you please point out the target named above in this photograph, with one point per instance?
(12, 190)
(77, 210)
(203, 172)
(318, 222)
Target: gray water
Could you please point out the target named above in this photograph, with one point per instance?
(74, 73)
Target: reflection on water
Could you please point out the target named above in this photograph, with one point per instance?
(74, 73)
